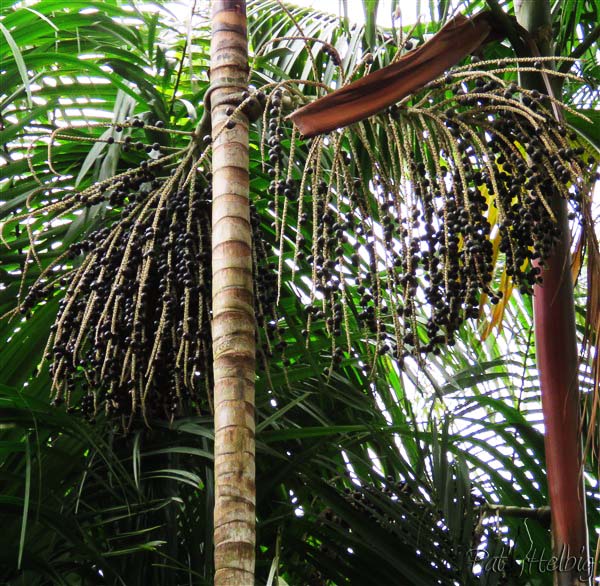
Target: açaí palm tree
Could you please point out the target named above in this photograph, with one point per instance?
(312, 439)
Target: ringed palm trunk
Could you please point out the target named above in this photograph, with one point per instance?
(232, 304)
(557, 358)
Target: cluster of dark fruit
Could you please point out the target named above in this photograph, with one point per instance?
(130, 188)
(275, 132)
(328, 253)
(332, 259)
(439, 253)
(527, 228)
(397, 511)
(129, 144)
(133, 329)
(332, 54)
(265, 277)
(374, 503)
(132, 334)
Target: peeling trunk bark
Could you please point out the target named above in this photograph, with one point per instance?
(233, 326)
(557, 362)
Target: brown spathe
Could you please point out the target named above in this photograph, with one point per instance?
(373, 93)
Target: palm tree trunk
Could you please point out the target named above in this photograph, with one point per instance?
(557, 361)
(232, 304)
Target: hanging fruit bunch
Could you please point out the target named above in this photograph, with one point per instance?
(415, 214)
(132, 333)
